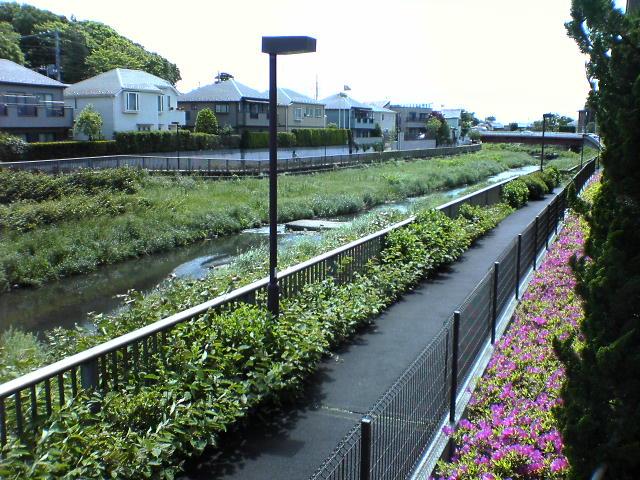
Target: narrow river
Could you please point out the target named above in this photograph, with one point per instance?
(67, 302)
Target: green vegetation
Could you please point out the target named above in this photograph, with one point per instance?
(89, 123)
(88, 48)
(206, 122)
(224, 366)
(600, 420)
(44, 241)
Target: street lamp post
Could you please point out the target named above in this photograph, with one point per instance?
(544, 124)
(275, 46)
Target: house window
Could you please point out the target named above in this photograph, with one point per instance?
(131, 102)
(318, 113)
(222, 108)
(194, 106)
(161, 103)
(144, 127)
(297, 115)
(168, 102)
(308, 112)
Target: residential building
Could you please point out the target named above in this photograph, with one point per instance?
(411, 119)
(453, 117)
(296, 110)
(346, 112)
(31, 105)
(384, 116)
(128, 100)
(234, 104)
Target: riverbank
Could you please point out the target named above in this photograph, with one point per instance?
(169, 212)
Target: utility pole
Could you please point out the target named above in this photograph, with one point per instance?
(56, 36)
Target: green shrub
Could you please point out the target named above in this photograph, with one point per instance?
(12, 148)
(286, 139)
(537, 187)
(206, 122)
(515, 193)
(164, 141)
(318, 137)
(75, 149)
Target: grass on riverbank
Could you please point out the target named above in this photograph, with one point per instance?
(169, 212)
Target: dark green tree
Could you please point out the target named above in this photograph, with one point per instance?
(206, 122)
(10, 44)
(377, 131)
(600, 418)
(89, 123)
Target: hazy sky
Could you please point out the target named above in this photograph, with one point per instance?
(508, 58)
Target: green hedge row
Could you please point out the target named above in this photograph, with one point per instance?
(310, 137)
(163, 141)
(533, 186)
(215, 370)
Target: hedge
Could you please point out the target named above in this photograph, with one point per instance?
(319, 137)
(48, 150)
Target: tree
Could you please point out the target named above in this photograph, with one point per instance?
(600, 417)
(89, 123)
(433, 127)
(513, 127)
(206, 122)
(490, 119)
(377, 131)
(10, 44)
(467, 120)
(74, 49)
(444, 134)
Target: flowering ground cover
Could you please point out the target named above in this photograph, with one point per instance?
(510, 431)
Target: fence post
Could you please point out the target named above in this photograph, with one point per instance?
(494, 303)
(454, 366)
(365, 448)
(535, 242)
(89, 374)
(518, 266)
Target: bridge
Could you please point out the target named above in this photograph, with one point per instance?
(535, 138)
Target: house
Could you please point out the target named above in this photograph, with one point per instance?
(453, 117)
(384, 116)
(412, 119)
(296, 111)
(128, 100)
(349, 113)
(235, 104)
(31, 105)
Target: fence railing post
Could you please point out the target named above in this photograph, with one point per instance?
(547, 226)
(519, 254)
(494, 303)
(365, 448)
(454, 366)
(89, 374)
(535, 242)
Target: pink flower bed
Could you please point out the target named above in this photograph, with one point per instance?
(510, 431)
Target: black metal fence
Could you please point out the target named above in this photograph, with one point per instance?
(393, 436)
(210, 165)
(27, 401)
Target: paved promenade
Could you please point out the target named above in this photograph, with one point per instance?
(293, 446)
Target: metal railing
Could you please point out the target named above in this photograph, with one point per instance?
(392, 437)
(27, 401)
(211, 166)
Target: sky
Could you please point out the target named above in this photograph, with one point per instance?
(510, 59)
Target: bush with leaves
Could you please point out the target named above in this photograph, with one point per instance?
(515, 193)
(89, 123)
(206, 122)
(12, 148)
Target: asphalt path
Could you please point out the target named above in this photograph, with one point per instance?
(292, 444)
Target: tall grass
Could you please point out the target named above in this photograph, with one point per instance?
(177, 211)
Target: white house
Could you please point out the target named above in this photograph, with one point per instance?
(127, 100)
(384, 116)
(453, 116)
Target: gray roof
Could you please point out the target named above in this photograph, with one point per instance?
(452, 112)
(287, 96)
(11, 72)
(109, 84)
(376, 107)
(341, 101)
(227, 91)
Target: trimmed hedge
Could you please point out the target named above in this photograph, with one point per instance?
(319, 137)
(515, 193)
(261, 139)
(49, 150)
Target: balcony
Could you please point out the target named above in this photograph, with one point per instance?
(35, 116)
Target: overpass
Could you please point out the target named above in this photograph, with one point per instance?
(535, 138)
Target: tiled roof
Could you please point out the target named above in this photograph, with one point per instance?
(341, 101)
(11, 72)
(227, 91)
(110, 83)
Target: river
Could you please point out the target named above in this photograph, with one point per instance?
(67, 302)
